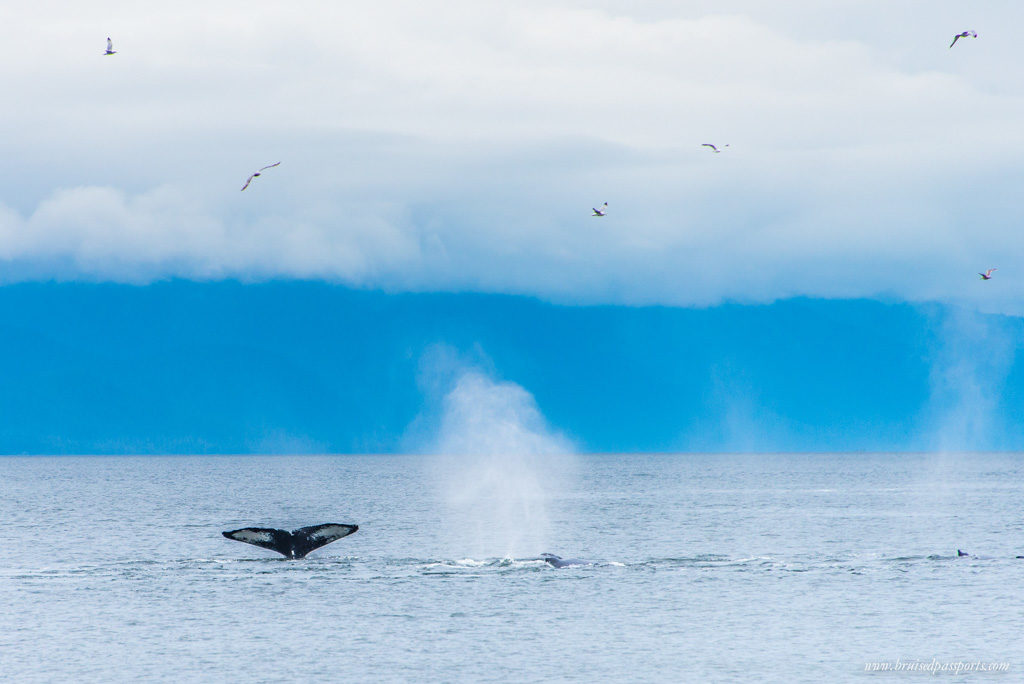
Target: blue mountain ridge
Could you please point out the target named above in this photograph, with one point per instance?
(294, 366)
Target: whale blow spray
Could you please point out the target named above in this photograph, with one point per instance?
(500, 467)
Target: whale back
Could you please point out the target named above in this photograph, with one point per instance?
(559, 562)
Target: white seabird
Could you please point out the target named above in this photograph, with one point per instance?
(713, 147)
(110, 47)
(965, 34)
(602, 211)
(249, 179)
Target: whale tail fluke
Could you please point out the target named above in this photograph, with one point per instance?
(306, 539)
(267, 537)
(295, 544)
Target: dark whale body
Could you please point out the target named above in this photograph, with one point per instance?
(294, 544)
(559, 562)
(964, 554)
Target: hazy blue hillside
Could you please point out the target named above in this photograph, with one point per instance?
(294, 366)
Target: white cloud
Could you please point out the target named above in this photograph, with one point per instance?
(460, 146)
(101, 232)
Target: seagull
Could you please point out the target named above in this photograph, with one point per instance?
(965, 34)
(602, 211)
(110, 47)
(987, 275)
(249, 179)
(713, 147)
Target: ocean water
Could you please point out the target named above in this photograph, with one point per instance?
(799, 568)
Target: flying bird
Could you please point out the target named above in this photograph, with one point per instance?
(987, 275)
(249, 179)
(602, 211)
(110, 47)
(965, 34)
(713, 147)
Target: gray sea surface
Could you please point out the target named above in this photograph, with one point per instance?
(799, 568)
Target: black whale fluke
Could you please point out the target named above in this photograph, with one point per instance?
(294, 544)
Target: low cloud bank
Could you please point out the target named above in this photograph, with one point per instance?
(461, 148)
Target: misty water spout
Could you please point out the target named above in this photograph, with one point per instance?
(500, 466)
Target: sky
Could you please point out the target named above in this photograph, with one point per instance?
(459, 147)
(456, 149)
